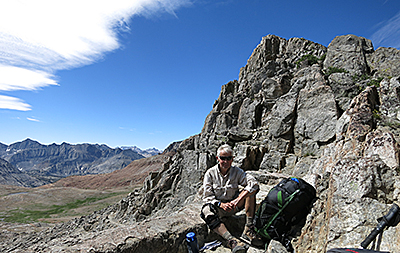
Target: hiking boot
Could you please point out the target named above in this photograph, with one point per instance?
(250, 235)
(237, 246)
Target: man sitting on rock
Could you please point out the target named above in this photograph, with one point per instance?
(222, 198)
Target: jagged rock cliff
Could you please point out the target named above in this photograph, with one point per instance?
(328, 115)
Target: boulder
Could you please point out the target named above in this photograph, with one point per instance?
(348, 52)
(384, 62)
(316, 110)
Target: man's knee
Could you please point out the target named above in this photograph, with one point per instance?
(254, 193)
(250, 201)
(209, 214)
(252, 196)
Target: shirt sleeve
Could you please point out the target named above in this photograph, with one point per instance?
(249, 183)
(209, 195)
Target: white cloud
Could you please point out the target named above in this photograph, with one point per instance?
(128, 129)
(40, 37)
(17, 78)
(33, 119)
(13, 103)
(388, 34)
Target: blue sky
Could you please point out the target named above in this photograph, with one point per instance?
(147, 72)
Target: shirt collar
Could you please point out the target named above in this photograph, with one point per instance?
(219, 171)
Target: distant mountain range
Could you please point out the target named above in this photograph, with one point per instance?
(29, 163)
(146, 153)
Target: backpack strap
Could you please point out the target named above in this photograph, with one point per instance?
(262, 230)
(279, 199)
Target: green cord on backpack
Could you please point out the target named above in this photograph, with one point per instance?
(285, 205)
(263, 230)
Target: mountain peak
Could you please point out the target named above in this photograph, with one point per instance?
(146, 153)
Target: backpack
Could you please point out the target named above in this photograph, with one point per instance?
(286, 205)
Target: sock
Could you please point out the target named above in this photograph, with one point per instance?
(227, 236)
(249, 221)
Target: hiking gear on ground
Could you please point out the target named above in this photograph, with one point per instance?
(286, 205)
(351, 250)
(250, 235)
(391, 219)
(237, 246)
(211, 245)
(191, 241)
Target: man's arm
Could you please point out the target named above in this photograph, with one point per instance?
(242, 196)
(209, 195)
(250, 185)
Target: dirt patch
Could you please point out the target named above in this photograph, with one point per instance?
(130, 176)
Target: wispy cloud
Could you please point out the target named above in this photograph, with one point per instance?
(7, 102)
(128, 129)
(388, 33)
(40, 37)
(16, 78)
(33, 119)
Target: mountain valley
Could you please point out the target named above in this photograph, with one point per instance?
(29, 163)
(27, 209)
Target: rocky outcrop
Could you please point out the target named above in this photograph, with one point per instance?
(48, 163)
(328, 115)
(349, 53)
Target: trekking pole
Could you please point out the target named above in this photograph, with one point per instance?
(392, 218)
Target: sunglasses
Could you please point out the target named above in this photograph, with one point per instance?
(225, 158)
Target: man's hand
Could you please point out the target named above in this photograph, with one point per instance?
(239, 201)
(235, 202)
(227, 206)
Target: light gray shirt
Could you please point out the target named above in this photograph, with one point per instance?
(218, 187)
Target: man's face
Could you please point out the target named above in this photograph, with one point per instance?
(225, 160)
